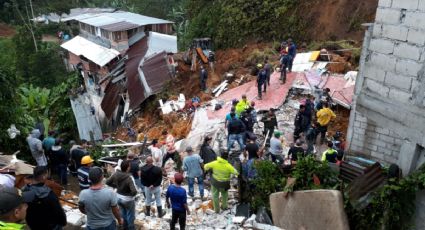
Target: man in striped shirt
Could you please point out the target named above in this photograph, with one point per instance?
(83, 172)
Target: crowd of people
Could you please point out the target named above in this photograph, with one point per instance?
(105, 207)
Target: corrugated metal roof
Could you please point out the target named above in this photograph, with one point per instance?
(135, 88)
(111, 99)
(119, 26)
(156, 72)
(161, 42)
(92, 51)
(100, 19)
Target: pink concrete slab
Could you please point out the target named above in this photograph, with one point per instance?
(273, 98)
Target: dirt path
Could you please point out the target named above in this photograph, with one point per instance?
(6, 30)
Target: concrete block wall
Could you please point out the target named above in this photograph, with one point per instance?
(387, 120)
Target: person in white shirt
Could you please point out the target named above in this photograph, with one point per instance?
(156, 153)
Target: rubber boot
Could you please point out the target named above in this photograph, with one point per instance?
(147, 210)
(160, 212)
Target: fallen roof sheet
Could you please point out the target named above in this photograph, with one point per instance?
(111, 99)
(92, 51)
(135, 88)
(341, 92)
(158, 42)
(304, 61)
(86, 121)
(274, 98)
(156, 72)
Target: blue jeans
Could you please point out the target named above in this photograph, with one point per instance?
(63, 173)
(156, 192)
(112, 226)
(128, 212)
(191, 182)
(233, 138)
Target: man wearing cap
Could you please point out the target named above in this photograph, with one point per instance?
(324, 117)
(192, 165)
(220, 181)
(13, 207)
(45, 211)
(100, 204)
(242, 105)
(83, 172)
(36, 147)
(151, 178)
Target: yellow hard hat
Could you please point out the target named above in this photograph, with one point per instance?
(259, 65)
(86, 160)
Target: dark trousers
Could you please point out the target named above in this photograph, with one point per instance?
(259, 89)
(322, 130)
(178, 215)
(203, 85)
(63, 173)
(283, 74)
(268, 81)
(291, 62)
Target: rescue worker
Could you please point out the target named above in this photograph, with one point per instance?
(284, 62)
(324, 116)
(268, 68)
(14, 206)
(83, 172)
(242, 105)
(220, 181)
(330, 155)
(261, 79)
(203, 78)
(292, 52)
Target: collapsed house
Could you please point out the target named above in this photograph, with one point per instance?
(122, 59)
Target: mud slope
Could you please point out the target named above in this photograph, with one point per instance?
(336, 19)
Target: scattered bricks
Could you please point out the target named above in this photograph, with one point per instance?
(415, 19)
(388, 16)
(382, 46)
(416, 36)
(405, 4)
(374, 73)
(383, 61)
(377, 30)
(408, 67)
(398, 81)
(405, 50)
(377, 88)
(400, 95)
(395, 32)
(385, 3)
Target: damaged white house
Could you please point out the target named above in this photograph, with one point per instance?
(122, 59)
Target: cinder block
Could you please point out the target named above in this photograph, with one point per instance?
(363, 125)
(394, 134)
(387, 139)
(408, 67)
(416, 36)
(385, 3)
(372, 147)
(415, 20)
(377, 155)
(384, 150)
(383, 61)
(359, 130)
(356, 148)
(374, 73)
(400, 96)
(382, 46)
(388, 16)
(408, 51)
(390, 159)
(398, 81)
(405, 4)
(377, 30)
(398, 32)
(383, 131)
(377, 88)
(395, 153)
(359, 117)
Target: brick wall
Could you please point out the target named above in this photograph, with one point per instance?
(387, 121)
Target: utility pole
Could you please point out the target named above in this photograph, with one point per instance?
(32, 10)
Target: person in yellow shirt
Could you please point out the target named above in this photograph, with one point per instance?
(242, 105)
(220, 180)
(324, 116)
